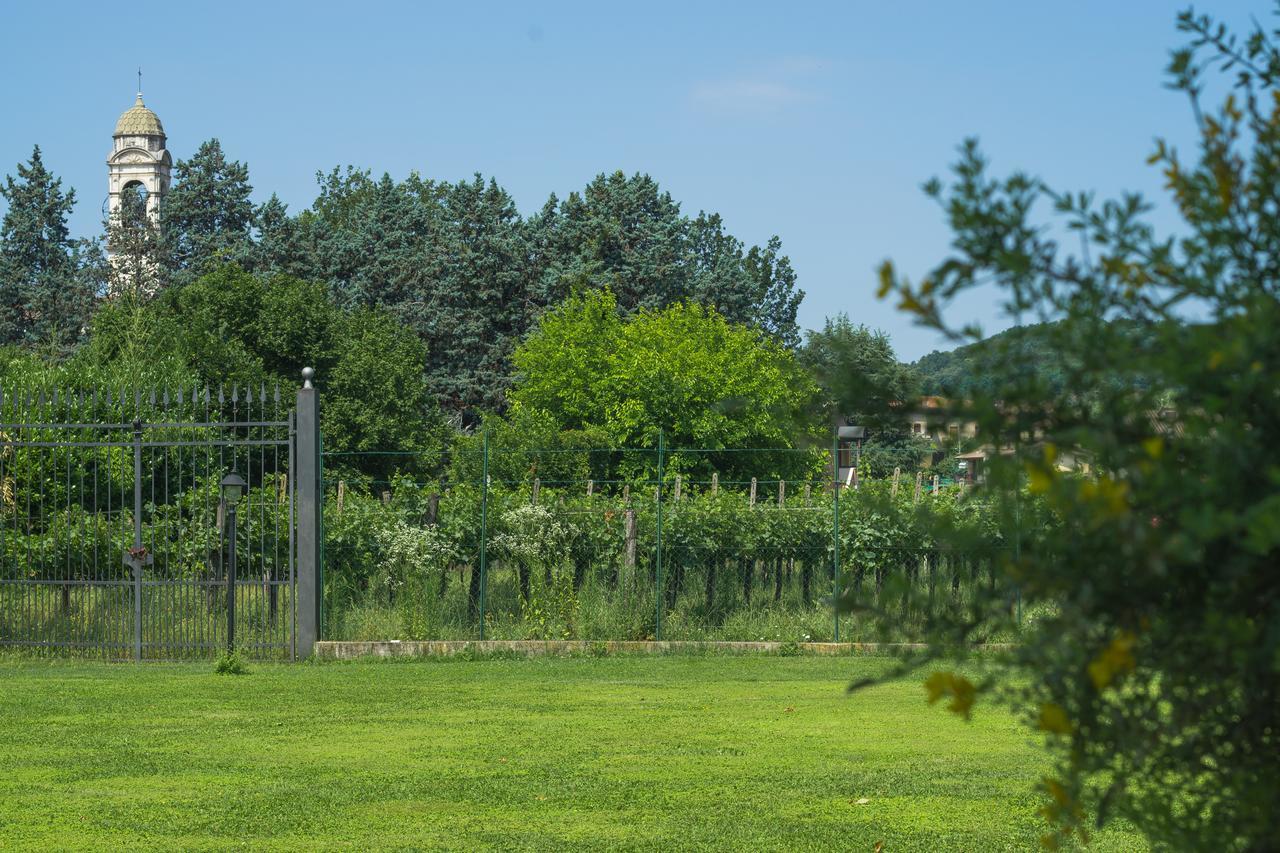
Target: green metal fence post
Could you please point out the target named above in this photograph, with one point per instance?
(657, 583)
(1017, 554)
(835, 533)
(484, 527)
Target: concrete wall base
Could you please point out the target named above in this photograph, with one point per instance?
(349, 650)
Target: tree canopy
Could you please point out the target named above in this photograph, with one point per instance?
(626, 234)
(859, 373)
(454, 262)
(684, 370)
(231, 326)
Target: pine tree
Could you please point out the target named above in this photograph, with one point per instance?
(44, 297)
(629, 235)
(207, 218)
(478, 301)
(458, 264)
(622, 233)
(278, 249)
(367, 238)
(451, 261)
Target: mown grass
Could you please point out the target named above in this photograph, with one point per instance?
(653, 753)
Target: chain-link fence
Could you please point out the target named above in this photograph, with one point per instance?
(500, 542)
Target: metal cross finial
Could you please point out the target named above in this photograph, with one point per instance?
(139, 81)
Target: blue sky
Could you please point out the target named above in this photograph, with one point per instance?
(814, 121)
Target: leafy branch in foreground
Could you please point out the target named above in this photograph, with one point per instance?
(1153, 666)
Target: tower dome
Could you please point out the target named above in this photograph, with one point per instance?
(138, 121)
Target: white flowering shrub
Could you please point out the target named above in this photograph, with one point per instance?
(538, 543)
(412, 557)
(532, 535)
(413, 552)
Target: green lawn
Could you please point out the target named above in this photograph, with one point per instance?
(626, 752)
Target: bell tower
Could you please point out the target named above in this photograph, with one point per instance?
(139, 164)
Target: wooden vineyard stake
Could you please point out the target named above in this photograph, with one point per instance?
(628, 531)
(915, 499)
(342, 494)
(715, 483)
(893, 492)
(753, 491)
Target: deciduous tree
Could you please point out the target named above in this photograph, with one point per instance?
(859, 374)
(685, 370)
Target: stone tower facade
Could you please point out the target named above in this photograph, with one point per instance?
(139, 162)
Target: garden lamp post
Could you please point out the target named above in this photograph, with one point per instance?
(855, 434)
(233, 486)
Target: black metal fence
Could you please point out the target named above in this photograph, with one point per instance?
(114, 526)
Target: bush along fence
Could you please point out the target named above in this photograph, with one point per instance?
(509, 542)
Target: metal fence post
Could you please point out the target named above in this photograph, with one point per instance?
(835, 534)
(657, 566)
(484, 526)
(322, 615)
(137, 552)
(1017, 555)
(231, 575)
(309, 509)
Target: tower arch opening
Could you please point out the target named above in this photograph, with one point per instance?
(134, 198)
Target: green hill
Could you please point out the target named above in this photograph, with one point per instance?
(972, 368)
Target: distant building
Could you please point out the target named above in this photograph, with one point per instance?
(928, 419)
(974, 463)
